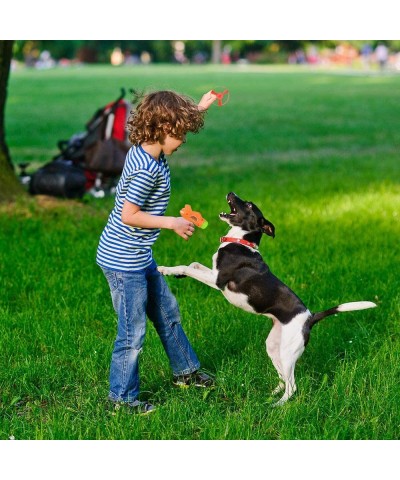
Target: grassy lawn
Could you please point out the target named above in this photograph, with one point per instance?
(318, 152)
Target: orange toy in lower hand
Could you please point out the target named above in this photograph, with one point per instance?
(195, 217)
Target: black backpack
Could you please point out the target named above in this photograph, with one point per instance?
(59, 178)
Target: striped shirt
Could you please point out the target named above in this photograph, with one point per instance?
(144, 182)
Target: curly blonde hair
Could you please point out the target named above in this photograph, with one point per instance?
(164, 113)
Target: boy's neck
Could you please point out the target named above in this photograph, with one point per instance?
(153, 149)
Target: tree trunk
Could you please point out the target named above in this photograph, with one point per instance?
(10, 186)
(216, 51)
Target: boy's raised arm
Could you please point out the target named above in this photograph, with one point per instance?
(206, 100)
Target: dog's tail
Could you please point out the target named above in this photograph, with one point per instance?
(344, 307)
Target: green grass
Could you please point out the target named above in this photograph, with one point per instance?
(318, 152)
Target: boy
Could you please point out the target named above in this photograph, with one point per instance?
(157, 128)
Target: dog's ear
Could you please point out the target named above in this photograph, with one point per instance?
(268, 228)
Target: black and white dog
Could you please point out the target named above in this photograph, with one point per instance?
(247, 282)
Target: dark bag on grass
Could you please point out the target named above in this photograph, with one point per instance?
(106, 156)
(59, 179)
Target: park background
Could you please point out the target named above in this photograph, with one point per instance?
(365, 54)
(306, 165)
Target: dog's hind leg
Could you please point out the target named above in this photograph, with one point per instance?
(291, 348)
(289, 354)
(273, 344)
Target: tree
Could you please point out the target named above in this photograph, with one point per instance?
(10, 187)
(216, 51)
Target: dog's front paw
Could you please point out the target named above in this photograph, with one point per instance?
(172, 270)
(164, 270)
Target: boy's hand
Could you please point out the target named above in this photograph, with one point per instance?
(206, 100)
(182, 227)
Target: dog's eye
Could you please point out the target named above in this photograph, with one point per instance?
(249, 205)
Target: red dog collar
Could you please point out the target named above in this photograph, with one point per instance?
(238, 240)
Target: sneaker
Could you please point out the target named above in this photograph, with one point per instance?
(135, 408)
(197, 379)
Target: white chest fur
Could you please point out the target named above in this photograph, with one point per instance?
(240, 300)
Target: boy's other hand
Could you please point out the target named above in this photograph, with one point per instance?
(206, 100)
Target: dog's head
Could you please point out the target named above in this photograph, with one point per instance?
(247, 216)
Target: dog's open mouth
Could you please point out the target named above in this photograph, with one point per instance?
(233, 209)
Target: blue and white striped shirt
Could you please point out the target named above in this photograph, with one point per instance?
(145, 182)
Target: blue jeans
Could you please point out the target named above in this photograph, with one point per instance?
(135, 295)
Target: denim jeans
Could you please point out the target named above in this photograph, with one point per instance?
(136, 295)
